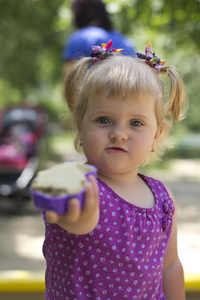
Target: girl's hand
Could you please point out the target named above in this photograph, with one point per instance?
(77, 220)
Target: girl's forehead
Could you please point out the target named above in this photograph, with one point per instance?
(121, 78)
(103, 103)
(134, 96)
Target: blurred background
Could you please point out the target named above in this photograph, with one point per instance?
(32, 37)
(33, 34)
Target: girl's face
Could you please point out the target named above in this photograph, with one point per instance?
(118, 135)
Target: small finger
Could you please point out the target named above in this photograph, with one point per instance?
(94, 183)
(51, 217)
(91, 199)
(74, 210)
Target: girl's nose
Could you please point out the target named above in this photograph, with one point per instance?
(119, 133)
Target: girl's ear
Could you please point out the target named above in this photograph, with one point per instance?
(158, 134)
(156, 138)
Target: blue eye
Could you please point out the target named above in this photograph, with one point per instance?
(103, 120)
(136, 123)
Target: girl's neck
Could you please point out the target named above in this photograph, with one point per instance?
(120, 180)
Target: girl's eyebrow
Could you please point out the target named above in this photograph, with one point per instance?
(98, 113)
(130, 116)
(140, 116)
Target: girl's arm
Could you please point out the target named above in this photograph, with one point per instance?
(173, 277)
(77, 220)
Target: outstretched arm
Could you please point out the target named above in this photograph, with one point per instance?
(77, 220)
(173, 277)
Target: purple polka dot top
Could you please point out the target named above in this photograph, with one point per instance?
(122, 258)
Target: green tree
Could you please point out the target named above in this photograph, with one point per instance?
(180, 19)
(29, 40)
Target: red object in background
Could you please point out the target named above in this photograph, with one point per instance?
(21, 131)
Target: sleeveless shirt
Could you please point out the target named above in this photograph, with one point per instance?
(122, 258)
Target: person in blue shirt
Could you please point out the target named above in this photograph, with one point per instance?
(93, 28)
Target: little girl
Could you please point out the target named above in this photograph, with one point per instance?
(123, 243)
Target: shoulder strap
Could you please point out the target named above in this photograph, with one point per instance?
(156, 186)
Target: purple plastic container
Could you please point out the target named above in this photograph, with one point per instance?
(59, 203)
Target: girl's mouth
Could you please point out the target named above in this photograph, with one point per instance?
(117, 150)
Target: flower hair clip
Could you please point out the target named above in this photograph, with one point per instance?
(101, 52)
(151, 59)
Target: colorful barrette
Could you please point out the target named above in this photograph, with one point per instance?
(151, 59)
(103, 51)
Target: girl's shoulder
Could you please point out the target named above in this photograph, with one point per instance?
(164, 199)
(156, 186)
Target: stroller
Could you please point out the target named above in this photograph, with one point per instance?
(21, 131)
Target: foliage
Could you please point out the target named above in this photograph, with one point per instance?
(180, 18)
(33, 34)
(29, 40)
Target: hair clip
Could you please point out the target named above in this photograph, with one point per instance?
(103, 51)
(151, 59)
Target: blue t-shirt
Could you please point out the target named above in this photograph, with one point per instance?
(81, 41)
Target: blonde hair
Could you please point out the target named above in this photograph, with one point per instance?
(124, 76)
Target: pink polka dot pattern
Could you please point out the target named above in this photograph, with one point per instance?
(122, 258)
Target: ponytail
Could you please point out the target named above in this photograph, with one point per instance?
(177, 97)
(73, 81)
